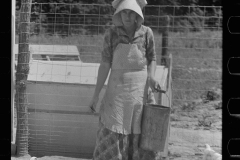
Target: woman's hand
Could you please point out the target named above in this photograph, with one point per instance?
(93, 104)
(102, 76)
(154, 84)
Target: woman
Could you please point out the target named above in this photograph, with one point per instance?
(129, 51)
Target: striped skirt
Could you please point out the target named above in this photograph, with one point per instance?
(114, 146)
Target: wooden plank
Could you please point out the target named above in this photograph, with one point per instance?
(51, 49)
(63, 71)
(163, 80)
(170, 61)
(52, 52)
(167, 100)
(70, 72)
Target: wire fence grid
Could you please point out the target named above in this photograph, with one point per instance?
(66, 43)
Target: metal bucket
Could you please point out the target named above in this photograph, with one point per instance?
(155, 125)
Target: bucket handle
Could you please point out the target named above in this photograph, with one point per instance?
(159, 91)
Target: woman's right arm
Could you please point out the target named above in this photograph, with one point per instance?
(104, 68)
(102, 76)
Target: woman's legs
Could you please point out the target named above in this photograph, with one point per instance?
(114, 146)
(107, 145)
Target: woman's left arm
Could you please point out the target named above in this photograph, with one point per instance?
(151, 57)
(151, 69)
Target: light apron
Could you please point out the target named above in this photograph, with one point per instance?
(122, 105)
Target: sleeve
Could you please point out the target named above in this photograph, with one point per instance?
(107, 53)
(150, 49)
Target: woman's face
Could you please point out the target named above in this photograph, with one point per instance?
(128, 17)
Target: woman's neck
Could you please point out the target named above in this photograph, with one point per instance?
(130, 30)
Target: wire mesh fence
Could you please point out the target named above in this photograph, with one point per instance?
(65, 46)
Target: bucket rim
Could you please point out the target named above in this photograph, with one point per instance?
(156, 105)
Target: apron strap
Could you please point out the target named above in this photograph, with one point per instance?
(146, 42)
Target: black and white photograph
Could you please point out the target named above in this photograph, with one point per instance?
(116, 80)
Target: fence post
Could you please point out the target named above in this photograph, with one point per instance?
(165, 41)
(21, 79)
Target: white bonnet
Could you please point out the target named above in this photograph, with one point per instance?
(141, 3)
(135, 5)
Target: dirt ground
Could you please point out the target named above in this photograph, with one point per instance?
(192, 126)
